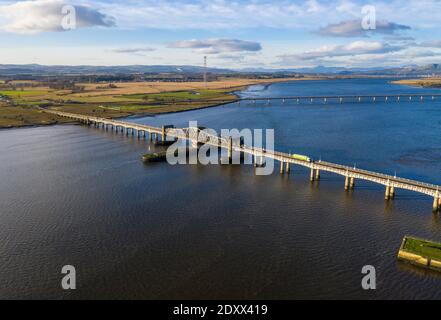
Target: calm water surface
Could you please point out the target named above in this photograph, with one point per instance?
(76, 195)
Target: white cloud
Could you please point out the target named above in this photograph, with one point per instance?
(138, 50)
(353, 28)
(216, 14)
(37, 16)
(430, 44)
(222, 14)
(215, 46)
(352, 49)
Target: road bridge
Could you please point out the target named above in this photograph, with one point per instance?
(197, 136)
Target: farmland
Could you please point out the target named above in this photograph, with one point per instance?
(21, 106)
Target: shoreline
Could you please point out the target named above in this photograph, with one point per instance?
(148, 114)
(233, 93)
(428, 83)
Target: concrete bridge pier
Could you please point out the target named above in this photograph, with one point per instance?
(352, 183)
(317, 174)
(346, 182)
(163, 134)
(287, 167)
(312, 176)
(436, 204)
(230, 149)
(392, 192)
(387, 193)
(281, 167)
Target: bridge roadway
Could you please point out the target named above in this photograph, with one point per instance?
(195, 136)
(316, 98)
(349, 97)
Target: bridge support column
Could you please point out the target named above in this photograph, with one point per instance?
(311, 176)
(351, 183)
(435, 206)
(287, 167)
(346, 182)
(392, 192)
(387, 193)
(281, 167)
(317, 174)
(230, 149)
(163, 134)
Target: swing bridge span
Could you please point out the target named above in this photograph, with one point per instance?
(197, 136)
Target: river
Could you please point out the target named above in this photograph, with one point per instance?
(74, 195)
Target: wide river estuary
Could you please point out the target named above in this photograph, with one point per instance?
(75, 195)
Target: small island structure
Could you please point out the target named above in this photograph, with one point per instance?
(422, 253)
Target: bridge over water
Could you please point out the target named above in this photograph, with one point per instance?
(196, 136)
(318, 99)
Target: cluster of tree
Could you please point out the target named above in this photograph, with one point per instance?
(108, 86)
(66, 85)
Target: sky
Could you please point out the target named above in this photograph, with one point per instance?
(232, 34)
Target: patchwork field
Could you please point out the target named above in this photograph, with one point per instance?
(20, 107)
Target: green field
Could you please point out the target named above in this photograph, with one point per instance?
(182, 95)
(22, 116)
(22, 107)
(426, 249)
(19, 93)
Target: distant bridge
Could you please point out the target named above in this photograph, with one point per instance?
(348, 98)
(195, 136)
(317, 99)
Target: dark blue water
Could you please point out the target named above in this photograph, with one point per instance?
(81, 196)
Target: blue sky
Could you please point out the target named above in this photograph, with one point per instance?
(233, 34)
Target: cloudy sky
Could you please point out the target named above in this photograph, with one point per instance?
(234, 34)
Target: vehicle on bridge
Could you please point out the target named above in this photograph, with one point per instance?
(301, 157)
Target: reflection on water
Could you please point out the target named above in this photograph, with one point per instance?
(81, 196)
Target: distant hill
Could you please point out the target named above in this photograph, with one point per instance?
(33, 69)
(431, 69)
(41, 70)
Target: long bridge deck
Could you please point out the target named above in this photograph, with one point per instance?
(318, 98)
(194, 135)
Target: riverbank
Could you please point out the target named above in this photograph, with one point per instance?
(20, 108)
(422, 83)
